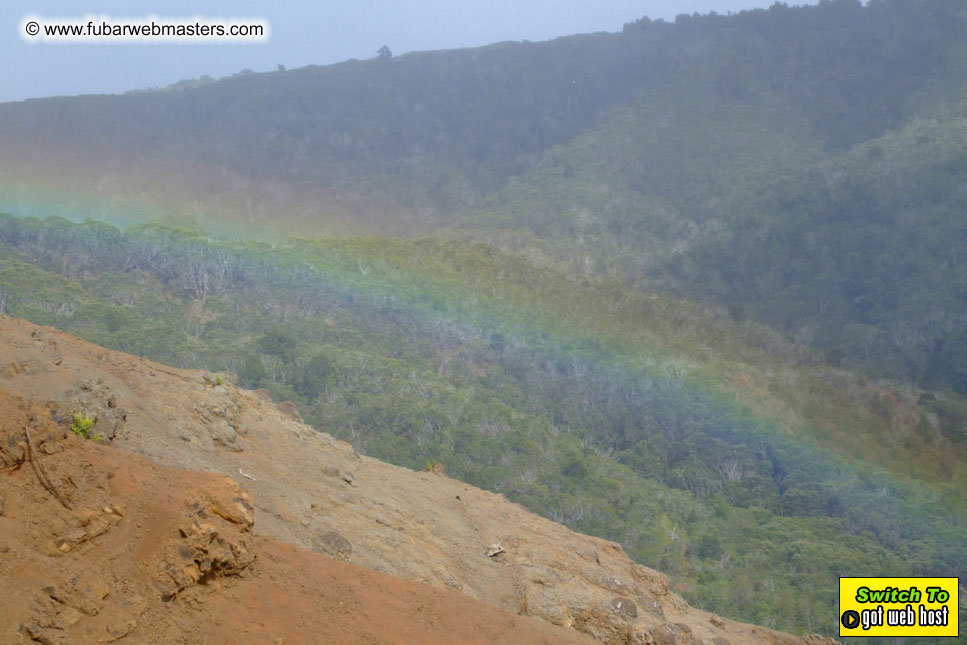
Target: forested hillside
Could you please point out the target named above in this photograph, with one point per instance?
(742, 473)
(804, 166)
(698, 286)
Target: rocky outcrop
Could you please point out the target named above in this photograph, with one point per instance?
(98, 545)
(317, 493)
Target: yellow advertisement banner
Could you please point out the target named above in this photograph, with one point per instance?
(898, 606)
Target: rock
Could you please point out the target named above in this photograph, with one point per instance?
(84, 593)
(668, 635)
(494, 550)
(119, 624)
(100, 403)
(230, 503)
(87, 524)
(213, 540)
(653, 608)
(224, 435)
(88, 593)
(68, 618)
(47, 635)
(290, 409)
(332, 544)
(205, 553)
(19, 368)
(624, 608)
(13, 448)
(117, 508)
(332, 471)
(168, 591)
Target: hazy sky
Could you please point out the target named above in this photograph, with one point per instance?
(304, 32)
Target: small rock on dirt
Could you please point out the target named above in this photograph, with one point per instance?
(494, 550)
(332, 544)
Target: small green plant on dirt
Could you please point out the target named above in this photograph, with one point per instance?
(218, 379)
(83, 426)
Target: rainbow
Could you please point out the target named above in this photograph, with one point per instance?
(637, 344)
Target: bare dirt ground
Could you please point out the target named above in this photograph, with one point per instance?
(150, 554)
(317, 494)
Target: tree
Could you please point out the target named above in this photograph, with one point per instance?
(319, 372)
(278, 343)
(384, 53)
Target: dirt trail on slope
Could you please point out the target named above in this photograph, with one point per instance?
(316, 493)
(151, 554)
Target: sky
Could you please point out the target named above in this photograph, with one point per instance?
(303, 32)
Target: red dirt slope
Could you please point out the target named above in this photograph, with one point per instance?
(316, 493)
(151, 554)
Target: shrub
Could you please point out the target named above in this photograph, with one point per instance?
(83, 426)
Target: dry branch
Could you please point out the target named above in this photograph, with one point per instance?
(41, 473)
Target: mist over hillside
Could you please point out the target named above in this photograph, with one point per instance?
(796, 164)
(697, 287)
